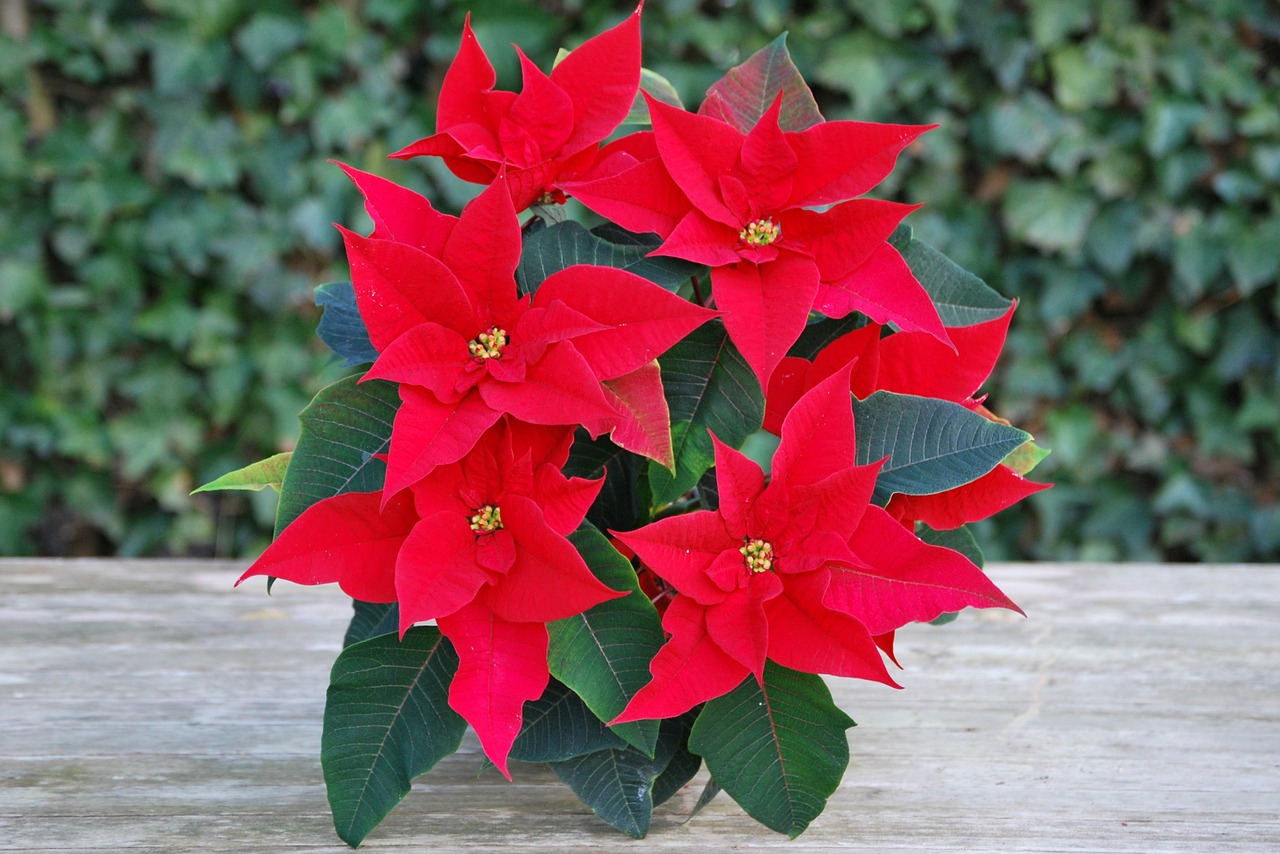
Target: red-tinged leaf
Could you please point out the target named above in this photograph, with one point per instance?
(469, 76)
(549, 580)
(768, 163)
(428, 433)
(436, 570)
(907, 579)
(817, 435)
(564, 501)
(644, 420)
(739, 482)
(917, 363)
(998, 489)
(690, 668)
(344, 538)
(501, 666)
(743, 95)
(789, 381)
(766, 307)
(400, 214)
(703, 240)
(681, 549)
(843, 160)
(697, 151)
(484, 249)
(601, 77)
(739, 626)
(842, 238)
(641, 198)
(542, 111)
(427, 355)
(560, 388)
(885, 290)
(639, 320)
(398, 286)
(807, 636)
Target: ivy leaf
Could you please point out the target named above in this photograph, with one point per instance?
(550, 250)
(558, 726)
(342, 429)
(779, 749)
(255, 476)
(709, 387)
(962, 299)
(386, 720)
(747, 91)
(603, 654)
(932, 445)
(371, 620)
(341, 327)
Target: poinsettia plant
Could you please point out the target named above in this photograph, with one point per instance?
(534, 488)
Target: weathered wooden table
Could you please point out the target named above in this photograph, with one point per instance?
(148, 705)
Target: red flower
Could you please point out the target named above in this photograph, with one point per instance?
(800, 569)
(444, 314)
(917, 364)
(740, 203)
(479, 546)
(550, 131)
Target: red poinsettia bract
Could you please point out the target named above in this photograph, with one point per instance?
(451, 329)
(481, 547)
(741, 203)
(547, 133)
(914, 363)
(800, 569)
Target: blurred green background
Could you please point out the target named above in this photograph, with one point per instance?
(166, 210)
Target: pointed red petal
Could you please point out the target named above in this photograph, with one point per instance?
(839, 499)
(739, 627)
(768, 162)
(697, 151)
(469, 76)
(436, 571)
(807, 636)
(690, 668)
(427, 355)
(862, 348)
(601, 76)
(428, 433)
(789, 381)
(994, 491)
(549, 322)
(885, 642)
(908, 580)
(560, 388)
(564, 500)
(885, 290)
(740, 482)
(842, 160)
(398, 287)
(484, 249)
(345, 538)
(842, 238)
(542, 110)
(916, 363)
(400, 214)
(766, 307)
(700, 239)
(640, 320)
(644, 420)
(680, 549)
(501, 665)
(642, 198)
(817, 435)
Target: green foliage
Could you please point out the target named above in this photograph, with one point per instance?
(1115, 165)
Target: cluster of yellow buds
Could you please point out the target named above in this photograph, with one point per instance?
(488, 345)
(759, 555)
(487, 519)
(760, 232)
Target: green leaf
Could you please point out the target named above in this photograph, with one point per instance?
(822, 331)
(684, 763)
(747, 91)
(660, 89)
(709, 387)
(550, 250)
(932, 445)
(341, 327)
(387, 720)
(779, 749)
(958, 539)
(371, 620)
(603, 654)
(346, 424)
(558, 726)
(623, 501)
(1024, 458)
(962, 299)
(255, 476)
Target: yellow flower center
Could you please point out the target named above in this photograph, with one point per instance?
(760, 232)
(488, 345)
(486, 520)
(758, 555)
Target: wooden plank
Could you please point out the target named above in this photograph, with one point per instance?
(149, 706)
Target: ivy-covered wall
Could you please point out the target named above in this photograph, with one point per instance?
(166, 203)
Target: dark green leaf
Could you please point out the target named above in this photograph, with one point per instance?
(962, 299)
(932, 445)
(821, 332)
(387, 720)
(709, 387)
(747, 91)
(558, 726)
(958, 539)
(684, 763)
(550, 250)
(342, 428)
(371, 620)
(341, 327)
(623, 502)
(779, 749)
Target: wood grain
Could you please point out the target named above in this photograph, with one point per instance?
(149, 706)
